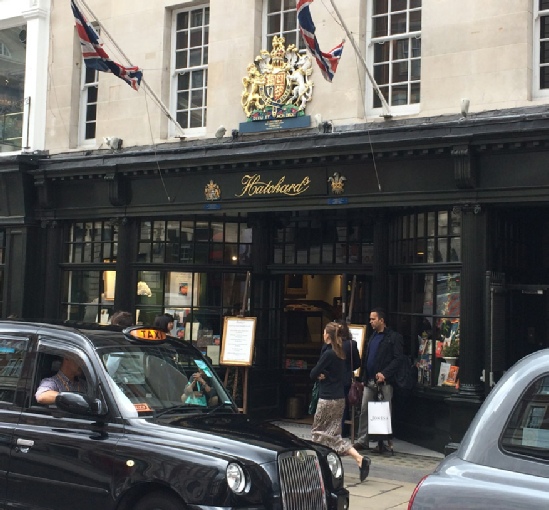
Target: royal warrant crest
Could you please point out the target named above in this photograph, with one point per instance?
(212, 191)
(277, 85)
(337, 182)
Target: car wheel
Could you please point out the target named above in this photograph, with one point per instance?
(159, 501)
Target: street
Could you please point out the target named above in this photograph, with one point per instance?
(392, 478)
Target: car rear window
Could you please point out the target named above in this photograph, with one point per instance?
(527, 431)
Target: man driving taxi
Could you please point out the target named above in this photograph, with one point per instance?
(68, 378)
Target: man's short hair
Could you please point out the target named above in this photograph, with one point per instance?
(124, 319)
(381, 314)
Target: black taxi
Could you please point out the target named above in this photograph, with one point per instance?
(140, 435)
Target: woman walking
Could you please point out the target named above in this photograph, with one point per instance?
(330, 371)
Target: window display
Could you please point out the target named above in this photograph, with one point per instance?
(425, 302)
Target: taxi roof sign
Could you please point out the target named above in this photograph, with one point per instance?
(146, 334)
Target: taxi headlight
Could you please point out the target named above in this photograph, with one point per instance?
(236, 478)
(334, 463)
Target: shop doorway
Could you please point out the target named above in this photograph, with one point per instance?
(310, 302)
(517, 325)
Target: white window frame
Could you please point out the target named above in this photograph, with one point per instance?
(83, 114)
(537, 91)
(408, 109)
(174, 73)
(288, 6)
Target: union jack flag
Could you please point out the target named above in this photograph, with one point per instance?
(95, 56)
(326, 61)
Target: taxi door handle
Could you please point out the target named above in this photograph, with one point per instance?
(23, 445)
(25, 442)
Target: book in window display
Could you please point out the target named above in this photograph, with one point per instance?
(444, 372)
(452, 378)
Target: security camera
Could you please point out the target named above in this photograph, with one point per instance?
(113, 142)
(464, 107)
(220, 133)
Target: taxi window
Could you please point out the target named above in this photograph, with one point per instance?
(527, 431)
(12, 355)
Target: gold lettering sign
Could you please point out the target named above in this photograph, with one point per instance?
(252, 185)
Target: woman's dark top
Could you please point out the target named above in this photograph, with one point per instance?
(350, 348)
(334, 369)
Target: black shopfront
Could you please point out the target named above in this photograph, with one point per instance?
(442, 223)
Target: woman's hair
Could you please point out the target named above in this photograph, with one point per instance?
(334, 331)
(345, 331)
(162, 321)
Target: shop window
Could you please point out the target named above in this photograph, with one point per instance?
(92, 242)
(425, 290)
(88, 294)
(396, 51)
(190, 66)
(322, 239)
(205, 242)
(12, 78)
(427, 315)
(198, 301)
(281, 20)
(426, 238)
(84, 297)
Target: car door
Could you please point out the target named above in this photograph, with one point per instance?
(13, 350)
(60, 460)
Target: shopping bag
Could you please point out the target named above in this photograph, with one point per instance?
(314, 398)
(379, 418)
(355, 393)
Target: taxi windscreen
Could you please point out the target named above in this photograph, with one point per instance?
(151, 378)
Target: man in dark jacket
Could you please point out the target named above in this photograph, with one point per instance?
(379, 365)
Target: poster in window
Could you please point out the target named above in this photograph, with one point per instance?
(181, 292)
(238, 341)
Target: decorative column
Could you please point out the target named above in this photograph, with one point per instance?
(466, 402)
(126, 282)
(380, 283)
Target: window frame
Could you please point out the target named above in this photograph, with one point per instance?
(176, 72)
(85, 104)
(371, 41)
(288, 6)
(538, 14)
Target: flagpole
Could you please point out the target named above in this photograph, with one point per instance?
(387, 110)
(145, 84)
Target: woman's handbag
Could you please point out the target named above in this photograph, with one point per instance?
(354, 398)
(355, 393)
(314, 398)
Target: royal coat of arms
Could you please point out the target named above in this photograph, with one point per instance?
(277, 84)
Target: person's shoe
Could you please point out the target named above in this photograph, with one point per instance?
(360, 446)
(365, 468)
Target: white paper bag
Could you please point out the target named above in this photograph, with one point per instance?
(379, 418)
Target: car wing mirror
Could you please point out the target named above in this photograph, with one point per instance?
(80, 404)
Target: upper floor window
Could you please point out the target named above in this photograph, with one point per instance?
(541, 48)
(396, 51)
(190, 67)
(12, 86)
(281, 16)
(88, 105)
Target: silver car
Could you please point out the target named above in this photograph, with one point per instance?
(503, 461)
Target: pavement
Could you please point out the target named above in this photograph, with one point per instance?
(392, 478)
